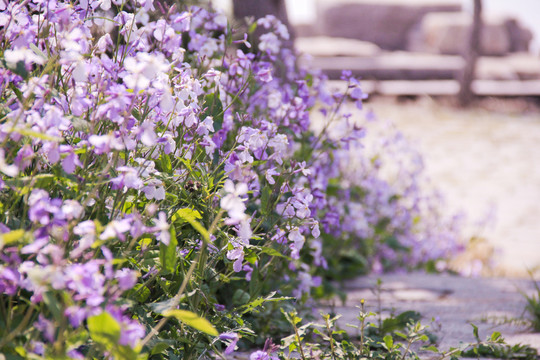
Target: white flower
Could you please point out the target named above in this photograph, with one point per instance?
(26, 55)
(9, 170)
(154, 190)
(233, 203)
(162, 226)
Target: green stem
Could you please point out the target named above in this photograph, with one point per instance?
(19, 327)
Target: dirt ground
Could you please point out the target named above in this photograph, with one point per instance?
(486, 160)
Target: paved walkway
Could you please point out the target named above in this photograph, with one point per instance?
(490, 304)
(483, 161)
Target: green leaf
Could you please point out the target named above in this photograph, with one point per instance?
(249, 307)
(430, 348)
(240, 297)
(265, 199)
(54, 306)
(142, 293)
(167, 253)
(195, 321)
(166, 163)
(35, 134)
(11, 237)
(187, 164)
(214, 108)
(159, 348)
(104, 329)
(389, 342)
(190, 216)
(273, 252)
(251, 257)
(475, 331)
(17, 92)
(496, 336)
(38, 52)
(252, 27)
(123, 352)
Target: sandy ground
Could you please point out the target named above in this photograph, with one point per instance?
(485, 161)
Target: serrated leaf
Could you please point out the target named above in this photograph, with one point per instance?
(193, 320)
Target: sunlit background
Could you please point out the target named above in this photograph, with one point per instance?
(305, 12)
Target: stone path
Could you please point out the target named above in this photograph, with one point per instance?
(490, 304)
(479, 159)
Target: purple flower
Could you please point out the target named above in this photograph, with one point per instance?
(9, 280)
(249, 271)
(259, 355)
(75, 315)
(131, 332)
(74, 354)
(46, 327)
(70, 162)
(265, 74)
(232, 339)
(126, 278)
(116, 229)
(128, 179)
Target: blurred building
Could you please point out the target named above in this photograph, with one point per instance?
(420, 40)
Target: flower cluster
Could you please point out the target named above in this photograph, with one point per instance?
(153, 166)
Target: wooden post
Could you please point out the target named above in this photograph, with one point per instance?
(472, 51)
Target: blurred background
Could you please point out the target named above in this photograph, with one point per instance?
(461, 80)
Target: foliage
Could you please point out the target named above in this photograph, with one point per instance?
(533, 304)
(323, 341)
(162, 185)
